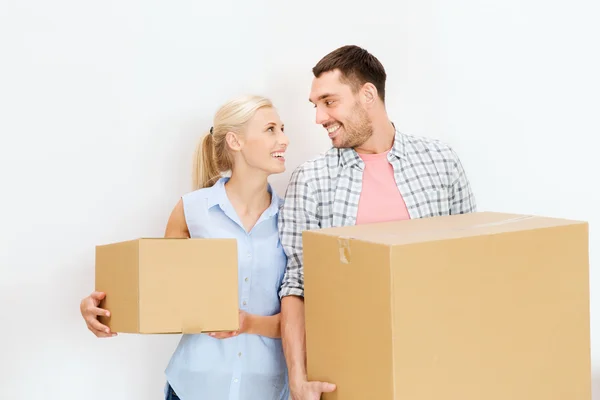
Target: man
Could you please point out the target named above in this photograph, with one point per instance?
(373, 173)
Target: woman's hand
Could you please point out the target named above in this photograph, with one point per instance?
(90, 312)
(244, 322)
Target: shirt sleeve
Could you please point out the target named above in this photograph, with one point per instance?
(462, 199)
(298, 213)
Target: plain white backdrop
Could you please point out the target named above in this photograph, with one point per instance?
(101, 105)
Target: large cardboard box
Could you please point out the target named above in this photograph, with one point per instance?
(164, 285)
(483, 306)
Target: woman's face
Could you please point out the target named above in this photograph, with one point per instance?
(262, 146)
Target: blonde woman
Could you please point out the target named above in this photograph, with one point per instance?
(247, 139)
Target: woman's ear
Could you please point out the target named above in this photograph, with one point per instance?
(233, 141)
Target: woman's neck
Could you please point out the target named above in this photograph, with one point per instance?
(249, 195)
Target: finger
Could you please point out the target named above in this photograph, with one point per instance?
(325, 387)
(96, 325)
(223, 335)
(101, 334)
(98, 296)
(99, 311)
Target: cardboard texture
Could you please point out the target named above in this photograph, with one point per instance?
(166, 285)
(467, 307)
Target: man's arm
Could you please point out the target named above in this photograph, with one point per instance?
(462, 199)
(294, 338)
(299, 213)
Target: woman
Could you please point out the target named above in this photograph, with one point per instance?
(247, 140)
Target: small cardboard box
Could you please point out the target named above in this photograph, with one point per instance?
(166, 285)
(467, 307)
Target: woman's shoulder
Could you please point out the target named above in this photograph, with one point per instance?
(276, 199)
(200, 197)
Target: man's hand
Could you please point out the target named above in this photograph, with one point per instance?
(310, 390)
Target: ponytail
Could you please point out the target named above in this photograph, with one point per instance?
(206, 171)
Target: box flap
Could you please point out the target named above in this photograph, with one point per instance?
(439, 228)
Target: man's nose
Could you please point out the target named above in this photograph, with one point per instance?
(322, 116)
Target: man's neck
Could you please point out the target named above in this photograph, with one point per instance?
(382, 139)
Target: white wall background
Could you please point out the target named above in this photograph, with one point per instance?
(85, 87)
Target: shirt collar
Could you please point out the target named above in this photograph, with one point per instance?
(218, 196)
(349, 157)
(276, 202)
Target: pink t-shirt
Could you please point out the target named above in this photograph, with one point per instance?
(380, 199)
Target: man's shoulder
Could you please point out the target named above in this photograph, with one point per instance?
(416, 145)
(316, 166)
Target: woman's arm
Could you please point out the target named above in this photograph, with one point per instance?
(252, 324)
(176, 226)
(269, 326)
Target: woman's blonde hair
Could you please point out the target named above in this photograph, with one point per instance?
(212, 157)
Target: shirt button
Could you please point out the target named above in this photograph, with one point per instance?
(239, 354)
(244, 302)
(246, 279)
(249, 255)
(235, 380)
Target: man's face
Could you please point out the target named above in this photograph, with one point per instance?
(341, 111)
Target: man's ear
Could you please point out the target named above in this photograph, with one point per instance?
(233, 141)
(369, 94)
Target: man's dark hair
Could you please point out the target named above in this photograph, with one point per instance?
(357, 67)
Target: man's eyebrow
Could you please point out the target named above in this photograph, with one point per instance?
(323, 96)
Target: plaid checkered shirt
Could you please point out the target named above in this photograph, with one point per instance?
(324, 192)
